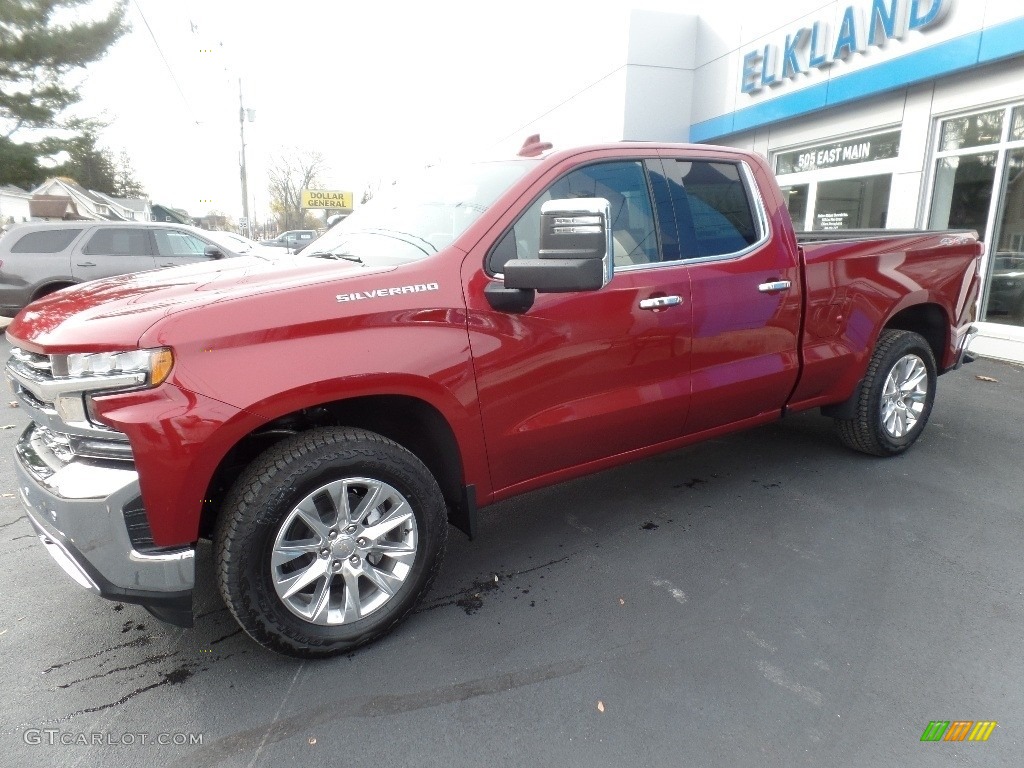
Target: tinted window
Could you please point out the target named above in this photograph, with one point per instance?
(46, 241)
(963, 191)
(853, 203)
(712, 207)
(172, 243)
(109, 241)
(623, 184)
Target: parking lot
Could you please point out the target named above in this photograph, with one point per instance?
(766, 599)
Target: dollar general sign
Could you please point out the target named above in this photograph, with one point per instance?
(325, 198)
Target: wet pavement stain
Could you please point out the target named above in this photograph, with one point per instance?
(143, 663)
(138, 642)
(471, 599)
(174, 677)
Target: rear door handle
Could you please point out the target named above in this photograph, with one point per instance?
(774, 287)
(86, 264)
(661, 302)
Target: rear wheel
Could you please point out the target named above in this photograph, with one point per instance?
(895, 398)
(328, 540)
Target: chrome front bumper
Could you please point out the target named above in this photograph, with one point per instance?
(77, 507)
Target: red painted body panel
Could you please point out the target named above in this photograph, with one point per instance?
(853, 288)
(579, 382)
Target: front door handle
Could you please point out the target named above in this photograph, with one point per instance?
(774, 287)
(169, 264)
(86, 264)
(661, 302)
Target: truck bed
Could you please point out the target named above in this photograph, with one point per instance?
(837, 235)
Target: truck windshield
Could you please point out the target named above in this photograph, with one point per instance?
(419, 216)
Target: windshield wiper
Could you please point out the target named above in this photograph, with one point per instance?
(331, 255)
(392, 232)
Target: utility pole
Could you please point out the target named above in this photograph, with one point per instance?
(245, 175)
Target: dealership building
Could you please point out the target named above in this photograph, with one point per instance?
(873, 113)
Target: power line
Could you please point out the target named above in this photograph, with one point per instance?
(167, 64)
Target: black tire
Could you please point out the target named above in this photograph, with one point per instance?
(254, 521)
(867, 432)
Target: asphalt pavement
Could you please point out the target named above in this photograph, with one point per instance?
(765, 599)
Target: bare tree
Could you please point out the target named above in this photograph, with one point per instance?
(289, 174)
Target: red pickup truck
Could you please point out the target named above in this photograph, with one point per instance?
(480, 331)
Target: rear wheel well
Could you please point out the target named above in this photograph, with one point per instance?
(928, 320)
(412, 423)
(49, 288)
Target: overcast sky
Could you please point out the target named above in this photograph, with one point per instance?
(374, 86)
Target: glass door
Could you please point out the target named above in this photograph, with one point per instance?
(978, 183)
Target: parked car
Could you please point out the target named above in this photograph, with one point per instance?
(240, 244)
(293, 239)
(38, 258)
(494, 328)
(1006, 291)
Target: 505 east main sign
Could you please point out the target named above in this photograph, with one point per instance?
(815, 47)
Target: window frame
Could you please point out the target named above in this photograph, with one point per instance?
(754, 199)
(751, 188)
(1002, 149)
(812, 177)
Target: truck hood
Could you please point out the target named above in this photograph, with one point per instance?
(113, 313)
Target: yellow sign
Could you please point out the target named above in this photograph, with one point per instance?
(325, 198)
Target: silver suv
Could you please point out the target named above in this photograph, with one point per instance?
(293, 239)
(38, 258)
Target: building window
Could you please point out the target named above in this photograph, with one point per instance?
(842, 184)
(978, 183)
(853, 203)
(796, 202)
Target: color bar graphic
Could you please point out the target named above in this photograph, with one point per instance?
(959, 730)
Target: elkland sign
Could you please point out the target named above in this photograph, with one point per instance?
(815, 47)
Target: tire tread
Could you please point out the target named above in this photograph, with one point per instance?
(239, 512)
(861, 433)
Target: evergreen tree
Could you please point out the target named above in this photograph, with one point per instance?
(90, 165)
(37, 55)
(125, 183)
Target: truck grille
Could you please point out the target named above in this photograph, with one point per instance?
(57, 404)
(36, 367)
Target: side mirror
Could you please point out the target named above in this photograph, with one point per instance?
(213, 252)
(575, 249)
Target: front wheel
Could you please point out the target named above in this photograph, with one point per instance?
(328, 540)
(895, 398)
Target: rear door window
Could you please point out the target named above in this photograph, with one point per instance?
(713, 208)
(45, 241)
(113, 241)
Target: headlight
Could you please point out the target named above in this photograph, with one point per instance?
(154, 363)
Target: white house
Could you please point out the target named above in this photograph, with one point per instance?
(14, 206)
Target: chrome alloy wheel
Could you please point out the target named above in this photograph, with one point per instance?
(904, 395)
(344, 551)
